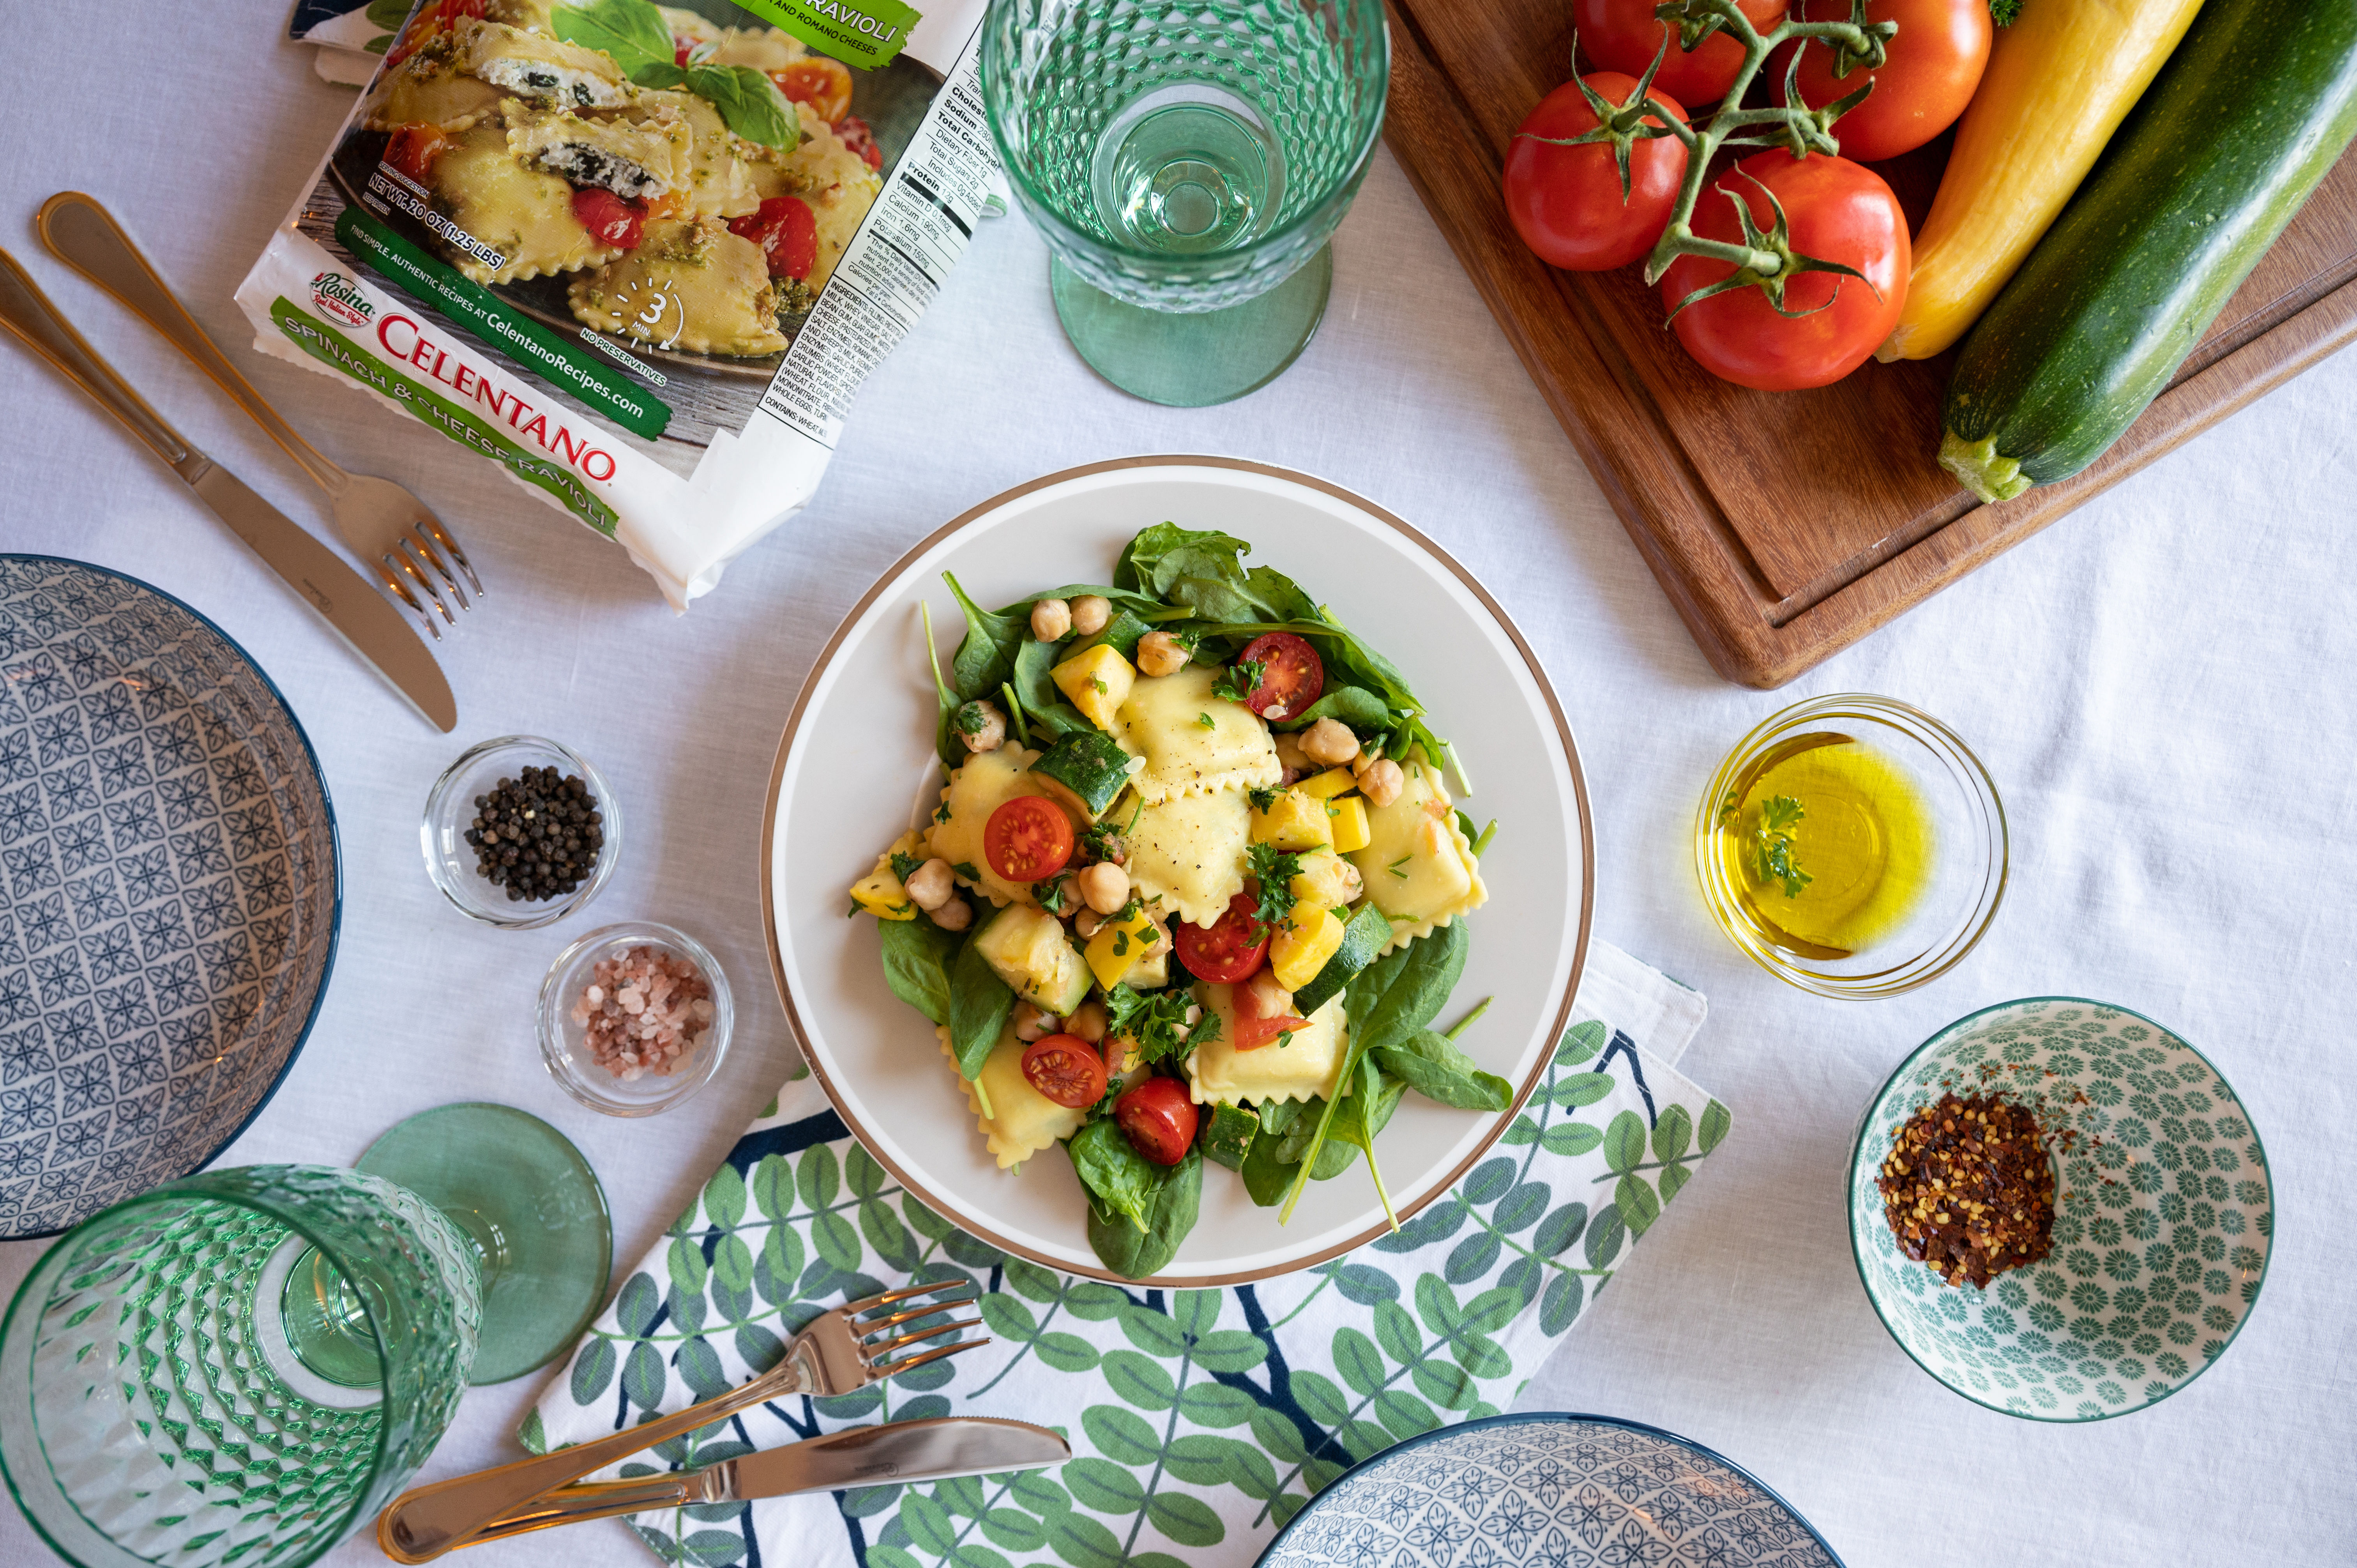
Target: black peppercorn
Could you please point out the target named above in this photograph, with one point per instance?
(522, 840)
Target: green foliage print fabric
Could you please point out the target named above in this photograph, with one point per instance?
(1200, 1421)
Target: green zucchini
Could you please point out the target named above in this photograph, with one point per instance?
(2223, 149)
(1362, 939)
(1123, 630)
(1088, 768)
(1228, 1135)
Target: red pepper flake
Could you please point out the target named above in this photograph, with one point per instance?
(1967, 1189)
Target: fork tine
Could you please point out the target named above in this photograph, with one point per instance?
(911, 1363)
(394, 571)
(431, 526)
(873, 1351)
(852, 1308)
(418, 546)
(868, 1326)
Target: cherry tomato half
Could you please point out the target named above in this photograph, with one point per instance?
(1264, 1012)
(1066, 1068)
(824, 84)
(611, 220)
(1027, 838)
(1934, 65)
(1566, 201)
(1291, 674)
(1159, 1119)
(414, 149)
(787, 230)
(860, 139)
(1622, 35)
(1227, 950)
(1839, 211)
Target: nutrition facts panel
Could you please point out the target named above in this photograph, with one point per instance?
(913, 235)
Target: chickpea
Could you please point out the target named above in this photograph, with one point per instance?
(1351, 884)
(981, 725)
(1264, 997)
(1031, 1023)
(954, 915)
(1052, 620)
(1291, 757)
(931, 884)
(1088, 1022)
(1086, 923)
(1329, 741)
(1382, 783)
(1159, 654)
(1089, 612)
(1105, 886)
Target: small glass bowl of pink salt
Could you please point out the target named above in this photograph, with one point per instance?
(634, 1018)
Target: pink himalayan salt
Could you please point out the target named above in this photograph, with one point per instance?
(644, 1011)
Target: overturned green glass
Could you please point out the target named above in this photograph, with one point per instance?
(1185, 164)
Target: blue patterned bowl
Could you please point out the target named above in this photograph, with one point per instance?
(2164, 1215)
(1548, 1488)
(170, 856)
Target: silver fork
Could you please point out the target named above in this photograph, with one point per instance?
(391, 529)
(839, 1351)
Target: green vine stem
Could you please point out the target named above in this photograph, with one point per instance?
(1765, 258)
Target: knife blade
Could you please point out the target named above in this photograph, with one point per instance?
(366, 621)
(900, 1454)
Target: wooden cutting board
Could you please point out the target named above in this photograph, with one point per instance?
(1786, 526)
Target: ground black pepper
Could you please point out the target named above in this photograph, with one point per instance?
(538, 834)
(1968, 1189)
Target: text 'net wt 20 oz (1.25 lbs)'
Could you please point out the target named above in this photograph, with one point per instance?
(641, 256)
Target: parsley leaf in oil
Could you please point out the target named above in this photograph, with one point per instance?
(1772, 846)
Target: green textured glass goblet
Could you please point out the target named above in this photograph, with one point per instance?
(1186, 162)
(237, 1368)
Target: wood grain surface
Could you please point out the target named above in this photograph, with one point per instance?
(1786, 526)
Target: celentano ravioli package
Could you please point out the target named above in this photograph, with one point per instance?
(641, 256)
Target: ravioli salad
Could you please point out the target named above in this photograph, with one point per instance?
(1194, 890)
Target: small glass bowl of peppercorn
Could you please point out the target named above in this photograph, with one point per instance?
(520, 832)
(634, 1018)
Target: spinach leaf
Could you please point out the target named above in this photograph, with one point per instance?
(1267, 1175)
(1431, 1064)
(1043, 700)
(979, 1003)
(946, 743)
(987, 658)
(1120, 599)
(1402, 991)
(632, 31)
(917, 955)
(1120, 1182)
(1363, 1113)
(1201, 570)
(1177, 1197)
(1276, 1116)
(1354, 705)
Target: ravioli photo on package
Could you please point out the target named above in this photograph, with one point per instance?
(640, 255)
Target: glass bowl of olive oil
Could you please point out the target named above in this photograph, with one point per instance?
(1852, 845)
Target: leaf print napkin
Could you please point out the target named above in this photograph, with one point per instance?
(1200, 1421)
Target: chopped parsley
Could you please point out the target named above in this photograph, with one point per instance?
(904, 866)
(1157, 1022)
(1097, 683)
(1772, 846)
(1103, 840)
(1053, 895)
(1239, 680)
(970, 718)
(1205, 720)
(2004, 12)
(1395, 866)
(1276, 869)
(965, 868)
(1265, 801)
(941, 813)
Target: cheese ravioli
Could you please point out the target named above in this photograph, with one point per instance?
(1418, 867)
(1190, 852)
(1193, 743)
(1021, 1121)
(1305, 1068)
(987, 781)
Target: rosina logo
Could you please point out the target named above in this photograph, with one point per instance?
(341, 298)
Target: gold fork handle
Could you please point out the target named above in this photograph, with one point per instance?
(27, 311)
(592, 1500)
(426, 1521)
(85, 236)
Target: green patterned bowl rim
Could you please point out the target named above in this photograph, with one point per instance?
(1374, 1462)
(1857, 1255)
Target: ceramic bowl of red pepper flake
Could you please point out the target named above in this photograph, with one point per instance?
(2162, 1211)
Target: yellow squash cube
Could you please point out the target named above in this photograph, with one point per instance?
(1302, 944)
(1118, 946)
(1350, 823)
(880, 892)
(1325, 880)
(1327, 785)
(1294, 821)
(1098, 681)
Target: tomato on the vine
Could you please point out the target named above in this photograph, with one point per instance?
(1933, 65)
(1228, 950)
(1159, 1119)
(1622, 35)
(1565, 202)
(1027, 839)
(1066, 1068)
(1291, 675)
(1838, 211)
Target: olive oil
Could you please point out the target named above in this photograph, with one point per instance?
(1828, 846)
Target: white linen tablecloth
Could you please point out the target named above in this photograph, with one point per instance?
(2161, 685)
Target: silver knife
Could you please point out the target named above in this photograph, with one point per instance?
(900, 1454)
(367, 622)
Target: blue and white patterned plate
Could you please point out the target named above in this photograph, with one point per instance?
(1548, 1488)
(169, 853)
